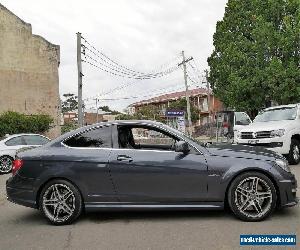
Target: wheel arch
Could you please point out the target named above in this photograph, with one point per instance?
(56, 178)
(7, 155)
(262, 171)
(296, 137)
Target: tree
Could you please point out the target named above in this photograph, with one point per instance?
(181, 105)
(150, 112)
(257, 54)
(15, 123)
(70, 103)
(107, 109)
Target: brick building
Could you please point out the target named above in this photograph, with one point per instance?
(90, 116)
(28, 71)
(198, 98)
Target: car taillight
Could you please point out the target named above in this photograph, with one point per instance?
(17, 164)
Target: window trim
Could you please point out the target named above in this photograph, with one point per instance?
(111, 125)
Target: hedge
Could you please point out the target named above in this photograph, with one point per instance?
(15, 123)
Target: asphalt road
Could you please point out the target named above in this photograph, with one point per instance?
(25, 228)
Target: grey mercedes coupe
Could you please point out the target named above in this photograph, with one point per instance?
(140, 165)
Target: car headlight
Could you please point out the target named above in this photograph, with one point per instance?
(283, 164)
(239, 134)
(277, 133)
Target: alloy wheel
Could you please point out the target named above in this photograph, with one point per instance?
(253, 197)
(5, 164)
(58, 202)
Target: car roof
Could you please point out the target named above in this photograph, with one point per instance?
(283, 106)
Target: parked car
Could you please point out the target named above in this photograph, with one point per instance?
(101, 167)
(11, 143)
(229, 123)
(276, 128)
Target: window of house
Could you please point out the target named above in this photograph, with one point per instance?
(99, 137)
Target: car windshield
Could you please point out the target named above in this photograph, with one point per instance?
(278, 114)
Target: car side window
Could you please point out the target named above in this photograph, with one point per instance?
(35, 140)
(242, 118)
(98, 137)
(145, 138)
(15, 141)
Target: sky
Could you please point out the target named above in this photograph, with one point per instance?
(143, 35)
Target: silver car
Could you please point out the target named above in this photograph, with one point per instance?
(10, 144)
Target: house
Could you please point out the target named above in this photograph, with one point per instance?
(90, 116)
(198, 98)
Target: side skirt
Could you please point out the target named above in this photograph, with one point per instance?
(109, 206)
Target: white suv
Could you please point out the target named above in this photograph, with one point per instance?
(276, 128)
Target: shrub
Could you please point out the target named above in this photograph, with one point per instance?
(67, 127)
(14, 123)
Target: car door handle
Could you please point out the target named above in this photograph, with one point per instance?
(124, 158)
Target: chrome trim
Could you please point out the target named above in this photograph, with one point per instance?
(285, 181)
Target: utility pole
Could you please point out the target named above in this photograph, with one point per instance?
(97, 109)
(208, 102)
(187, 96)
(79, 67)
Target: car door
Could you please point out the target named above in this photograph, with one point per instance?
(157, 175)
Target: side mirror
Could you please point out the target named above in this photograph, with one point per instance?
(182, 146)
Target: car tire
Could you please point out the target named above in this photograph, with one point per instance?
(6, 164)
(252, 196)
(60, 202)
(294, 155)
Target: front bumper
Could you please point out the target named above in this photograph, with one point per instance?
(288, 192)
(279, 145)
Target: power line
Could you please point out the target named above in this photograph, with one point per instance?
(125, 85)
(121, 74)
(153, 95)
(113, 65)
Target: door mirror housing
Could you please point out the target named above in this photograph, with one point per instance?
(182, 146)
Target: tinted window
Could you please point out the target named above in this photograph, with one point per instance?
(35, 140)
(93, 138)
(15, 141)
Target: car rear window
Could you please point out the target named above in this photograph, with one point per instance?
(15, 141)
(99, 137)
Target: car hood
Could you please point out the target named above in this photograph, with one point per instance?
(267, 126)
(243, 151)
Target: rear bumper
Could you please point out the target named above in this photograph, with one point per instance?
(19, 195)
